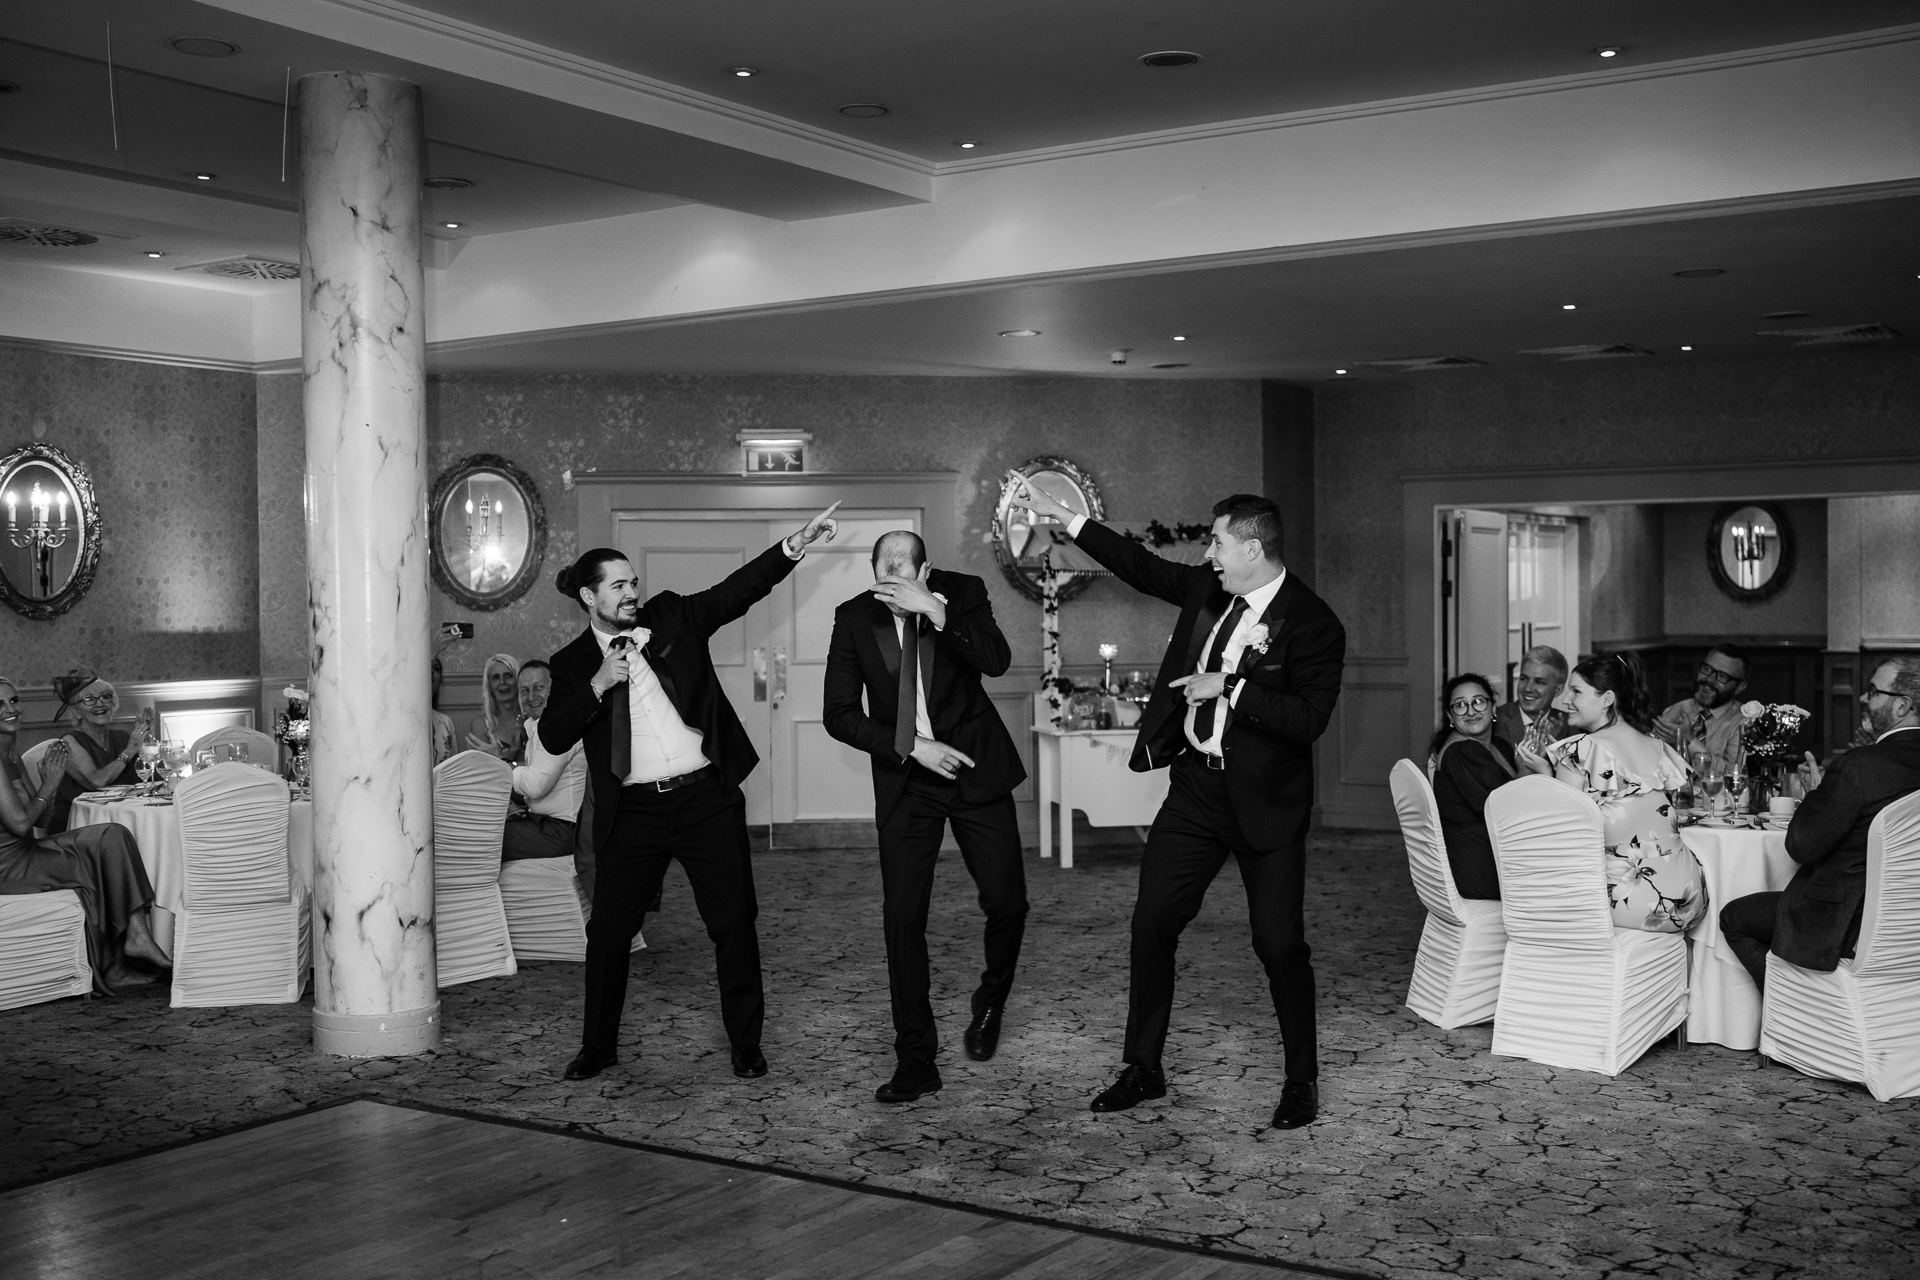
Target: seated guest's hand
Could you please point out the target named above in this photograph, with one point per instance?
(1667, 733)
(1532, 761)
(492, 746)
(1809, 770)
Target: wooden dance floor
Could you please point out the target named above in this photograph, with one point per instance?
(367, 1189)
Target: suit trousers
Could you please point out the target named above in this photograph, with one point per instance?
(1747, 924)
(989, 839)
(1191, 838)
(704, 827)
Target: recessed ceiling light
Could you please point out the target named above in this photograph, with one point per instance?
(1339, 370)
(1568, 306)
(204, 177)
(155, 253)
(966, 146)
(1686, 348)
(1019, 333)
(1179, 337)
(1698, 273)
(1169, 58)
(863, 110)
(1786, 315)
(447, 184)
(1608, 51)
(742, 72)
(203, 46)
(451, 226)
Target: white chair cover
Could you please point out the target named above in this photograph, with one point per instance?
(1456, 976)
(262, 750)
(43, 948)
(470, 794)
(1574, 991)
(243, 935)
(543, 909)
(1862, 1021)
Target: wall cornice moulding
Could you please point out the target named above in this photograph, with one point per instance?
(140, 357)
(1447, 98)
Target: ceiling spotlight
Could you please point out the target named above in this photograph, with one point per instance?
(203, 46)
(1609, 51)
(1019, 333)
(447, 184)
(1169, 58)
(204, 177)
(1686, 348)
(863, 110)
(1339, 370)
(1568, 306)
(742, 72)
(155, 253)
(966, 146)
(451, 226)
(1179, 337)
(1698, 273)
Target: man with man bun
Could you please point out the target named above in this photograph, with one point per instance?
(665, 758)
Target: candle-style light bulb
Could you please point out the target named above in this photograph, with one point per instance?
(61, 496)
(12, 498)
(38, 501)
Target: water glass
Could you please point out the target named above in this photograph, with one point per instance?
(204, 758)
(242, 753)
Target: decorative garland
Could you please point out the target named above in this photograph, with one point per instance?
(1052, 686)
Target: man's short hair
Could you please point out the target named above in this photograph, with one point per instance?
(916, 547)
(536, 664)
(1906, 675)
(1734, 651)
(1547, 656)
(1251, 516)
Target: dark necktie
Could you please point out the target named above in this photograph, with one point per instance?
(622, 755)
(904, 718)
(1203, 722)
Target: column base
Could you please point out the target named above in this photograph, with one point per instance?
(377, 1035)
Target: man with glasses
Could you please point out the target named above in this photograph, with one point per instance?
(1710, 720)
(1815, 921)
(1529, 720)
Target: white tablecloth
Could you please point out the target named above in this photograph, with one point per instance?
(156, 829)
(1723, 1004)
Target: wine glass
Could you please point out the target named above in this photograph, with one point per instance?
(1737, 786)
(1713, 782)
(242, 753)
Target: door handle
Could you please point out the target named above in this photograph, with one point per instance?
(759, 675)
(779, 675)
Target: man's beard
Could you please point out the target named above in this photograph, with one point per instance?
(1879, 721)
(1708, 696)
(615, 622)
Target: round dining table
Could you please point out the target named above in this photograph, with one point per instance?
(1723, 1005)
(155, 824)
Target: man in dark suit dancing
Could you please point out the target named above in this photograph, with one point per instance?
(917, 644)
(1815, 921)
(1256, 659)
(665, 758)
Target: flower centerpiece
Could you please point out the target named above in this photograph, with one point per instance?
(293, 728)
(1767, 733)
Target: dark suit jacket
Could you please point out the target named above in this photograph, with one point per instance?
(1284, 706)
(677, 651)
(1509, 724)
(865, 655)
(1819, 914)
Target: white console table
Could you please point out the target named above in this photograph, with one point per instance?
(1086, 769)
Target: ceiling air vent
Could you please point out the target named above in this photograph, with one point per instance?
(41, 236)
(1834, 335)
(249, 268)
(1589, 351)
(1418, 363)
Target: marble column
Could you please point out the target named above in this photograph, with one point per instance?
(364, 358)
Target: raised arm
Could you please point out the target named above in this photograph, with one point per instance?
(730, 598)
(1130, 562)
(973, 634)
(19, 815)
(1823, 820)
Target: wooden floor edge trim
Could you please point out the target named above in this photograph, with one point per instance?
(198, 1138)
(848, 1184)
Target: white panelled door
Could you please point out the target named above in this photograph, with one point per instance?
(1479, 596)
(1543, 587)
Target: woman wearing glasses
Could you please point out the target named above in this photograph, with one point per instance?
(1468, 763)
(98, 755)
(1653, 880)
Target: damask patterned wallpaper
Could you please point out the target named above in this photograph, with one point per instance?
(280, 478)
(1860, 403)
(1158, 449)
(171, 452)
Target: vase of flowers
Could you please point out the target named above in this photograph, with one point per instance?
(294, 730)
(1767, 733)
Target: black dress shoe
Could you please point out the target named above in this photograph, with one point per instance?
(983, 1033)
(589, 1063)
(910, 1080)
(1135, 1085)
(1299, 1104)
(749, 1063)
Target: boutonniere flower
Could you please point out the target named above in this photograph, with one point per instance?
(1257, 639)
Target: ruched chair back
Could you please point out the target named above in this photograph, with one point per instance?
(262, 750)
(1456, 975)
(1574, 990)
(43, 948)
(470, 795)
(1862, 1021)
(244, 935)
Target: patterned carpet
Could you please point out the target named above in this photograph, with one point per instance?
(1431, 1157)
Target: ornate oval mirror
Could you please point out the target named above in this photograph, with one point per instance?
(1750, 550)
(1023, 542)
(489, 531)
(53, 531)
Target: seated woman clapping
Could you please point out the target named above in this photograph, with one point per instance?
(98, 755)
(1653, 880)
(1469, 763)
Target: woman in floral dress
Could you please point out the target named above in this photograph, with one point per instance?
(1653, 880)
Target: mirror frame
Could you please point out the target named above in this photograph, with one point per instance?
(1782, 574)
(1029, 584)
(88, 560)
(523, 579)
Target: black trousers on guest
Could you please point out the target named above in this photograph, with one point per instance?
(704, 827)
(989, 839)
(1747, 925)
(1191, 840)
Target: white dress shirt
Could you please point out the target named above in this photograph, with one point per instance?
(922, 723)
(664, 746)
(554, 785)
